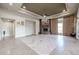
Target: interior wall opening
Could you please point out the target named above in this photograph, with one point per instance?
(7, 28)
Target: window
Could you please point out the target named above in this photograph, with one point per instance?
(60, 26)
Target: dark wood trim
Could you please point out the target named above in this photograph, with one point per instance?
(50, 25)
(40, 25)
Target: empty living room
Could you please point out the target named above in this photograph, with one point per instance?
(39, 28)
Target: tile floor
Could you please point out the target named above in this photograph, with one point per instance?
(40, 45)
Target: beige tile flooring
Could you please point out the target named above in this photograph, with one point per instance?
(11, 46)
(40, 45)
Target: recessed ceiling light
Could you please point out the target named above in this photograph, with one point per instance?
(24, 7)
(64, 10)
(10, 4)
(44, 16)
(8, 20)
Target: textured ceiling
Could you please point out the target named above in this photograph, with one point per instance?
(45, 8)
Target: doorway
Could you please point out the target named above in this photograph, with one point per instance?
(7, 28)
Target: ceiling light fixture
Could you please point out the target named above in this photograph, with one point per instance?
(8, 20)
(64, 10)
(44, 16)
(24, 7)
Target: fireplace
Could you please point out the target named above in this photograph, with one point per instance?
(45, 29)
(44, 26)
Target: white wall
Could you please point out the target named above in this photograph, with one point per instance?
(19, 30)
(0, 29)
(26, 29)
(29, 27)
(77, 28)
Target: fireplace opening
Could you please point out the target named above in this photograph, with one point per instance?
(45, 29)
